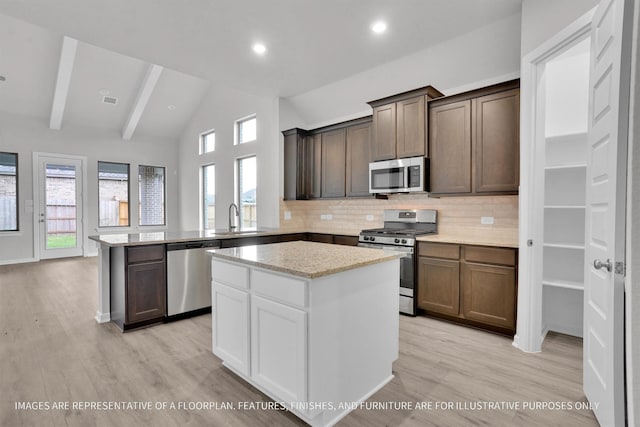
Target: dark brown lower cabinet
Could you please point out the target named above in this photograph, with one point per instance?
(489, 294)
(345, 240)
(320, 237)
(138, 285)
(475, 285)
(439, 287)
(146, 292)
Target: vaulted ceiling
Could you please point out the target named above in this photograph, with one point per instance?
(157, 57)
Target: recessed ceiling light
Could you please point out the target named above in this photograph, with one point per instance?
(103, 92)
(171, 107)
(259, 48)
(379, 27)
(3, 78)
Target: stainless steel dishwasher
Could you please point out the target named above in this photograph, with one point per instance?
(189, 277)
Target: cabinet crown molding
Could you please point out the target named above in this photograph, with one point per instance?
(429, 91)
(488, 90)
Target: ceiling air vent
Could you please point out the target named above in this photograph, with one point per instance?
(110, 100)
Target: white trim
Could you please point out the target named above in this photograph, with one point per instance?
(528, 329)
(63, 81)
(17, 261)
(36, 199)
(144, 94)
(632, 299)
(102, 317)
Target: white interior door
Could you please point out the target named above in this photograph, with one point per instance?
(60, 208)
(605, 203)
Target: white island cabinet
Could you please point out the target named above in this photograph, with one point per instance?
(312, 325)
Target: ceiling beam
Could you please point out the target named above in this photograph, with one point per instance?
(65, 68)
(148, 84)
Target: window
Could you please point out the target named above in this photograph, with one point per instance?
(151, 193)
(209, 197)
(208, 142)
(247, 191)
(246, 130)
(113, 194)
(8, 192)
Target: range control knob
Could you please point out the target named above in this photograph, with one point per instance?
(404, 240)
(372, 239)
(366, 237)
(396, 241)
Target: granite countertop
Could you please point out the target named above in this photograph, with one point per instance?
(471, 239)
(305, 259)
(136, 239)
(159, 237)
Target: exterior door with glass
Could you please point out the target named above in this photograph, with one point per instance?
(59, 213)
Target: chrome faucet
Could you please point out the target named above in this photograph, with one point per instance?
(231, 206)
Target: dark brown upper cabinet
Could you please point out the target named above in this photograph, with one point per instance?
(296, 176)
(328, 162)
(497, 142)
(474, 141)
(450, 151)
(314, 166)
(333, 163)
(358, 158)
(399, 124)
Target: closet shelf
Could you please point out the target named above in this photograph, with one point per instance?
(565, 207)
(558, 167)
(564, 284)
(563, 246)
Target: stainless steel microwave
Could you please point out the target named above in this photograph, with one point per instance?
(399, 176)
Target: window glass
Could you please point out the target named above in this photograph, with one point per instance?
(8, 192)
(151, 208)
(209, 197)
(113, 194)
(247, 191)
(246, 130)
(208, 142)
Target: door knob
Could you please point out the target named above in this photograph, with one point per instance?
(600, 265)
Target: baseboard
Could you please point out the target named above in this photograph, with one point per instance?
(564, 329)
(102, 317)
(517, 343)
(17, 261)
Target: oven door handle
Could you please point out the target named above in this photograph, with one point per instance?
(389, 248)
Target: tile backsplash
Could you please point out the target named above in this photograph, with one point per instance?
(456, 215)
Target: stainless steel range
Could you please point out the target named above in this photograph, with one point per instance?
(401, 227)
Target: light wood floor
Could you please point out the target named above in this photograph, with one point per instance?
(52, 350)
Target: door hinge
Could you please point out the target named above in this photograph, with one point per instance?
(621, 268)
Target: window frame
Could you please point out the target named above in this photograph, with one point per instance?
(128, 195)
(164, 197)
(238, 125)
(203, 138)
(238, 193)
(17, 211)
(203, 202)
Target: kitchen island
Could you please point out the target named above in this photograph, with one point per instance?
(312, 325)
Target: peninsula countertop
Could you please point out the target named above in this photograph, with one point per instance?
(159, 237)
(305, 259)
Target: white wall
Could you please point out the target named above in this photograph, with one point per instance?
(488, 55)
(221, 107)
(27, 135)
(541, 19)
